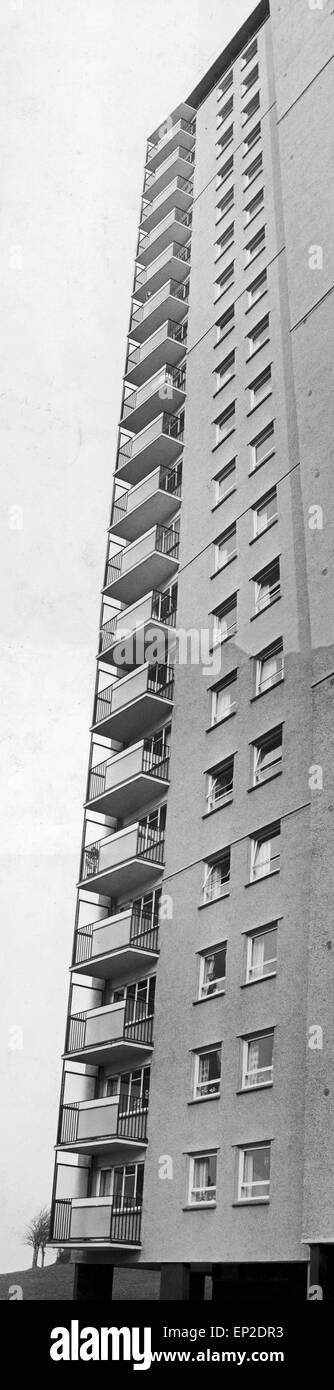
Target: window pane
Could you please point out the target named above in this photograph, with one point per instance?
(214, 968)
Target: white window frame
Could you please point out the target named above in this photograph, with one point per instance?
(264, 657)
(265, 1074)
(255, 396)
(254, 103)
(231, 626)
(250, 53)
(204, 1200)
(224, 685)
(227, 418)
(227, 319)
(253, 974)
(253, 172)
(231, 533)
(258, 751)
(225, 83)
(230, 468)
(251, 210)
(204, 991)
(222, 211)
(255, 246)
(225, 141)
(249, 81)
(265, 590)
(252, 139)
(227, 238)
(225, 113)
(224, 280)
(213, 799)
(256, 333)
(271, 859)
(224, 173)
(260, 507)
(226, 371)
(205, 1089)
(244, 1194)
(261, 280)
(268, 433)
(209, 878)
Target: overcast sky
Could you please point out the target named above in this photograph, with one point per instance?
(83, 83)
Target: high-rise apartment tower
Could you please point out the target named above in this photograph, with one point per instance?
(196, 1122)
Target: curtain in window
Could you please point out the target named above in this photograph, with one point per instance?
(253, 1059)
(269, 670)
(223, 703)
(257, 957)
(262, 857)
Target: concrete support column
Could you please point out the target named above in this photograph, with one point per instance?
(93, 1282)
(175, 1282)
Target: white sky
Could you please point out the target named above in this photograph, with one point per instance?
(83, 83)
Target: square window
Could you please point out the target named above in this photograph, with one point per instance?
(225, 482)
(212, 971)
(265, 512)
(223, 698)
(258, 336)
(267, 755)
(263, 446)
(225, 423)
(267, 586)
(220, 785)
(226, 548)
(217, 876)
(225, 621)
(265, 852)
(254, 1173)
(269, 667)
(261, 953)
(257, 1060)
(207, 1073)
(202, 1178)
(260, 388)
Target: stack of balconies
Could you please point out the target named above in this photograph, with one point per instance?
(102, 1131)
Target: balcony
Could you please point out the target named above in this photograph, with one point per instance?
(175, 227)
(178, 164)
(166, 347)
(181, 133)
(123, 862)
(166, 388)
(159, 442)
(117, 944)
(156, 499)
(147, 563)
(129, 781)
(125, 638)
(178, 195)
(172, 263)
(129, 707)
(95, 1126)
(119, 1033)
(95, 1221)
(170, 302)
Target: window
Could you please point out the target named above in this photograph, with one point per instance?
(225, 204)
(267, 755)
(212, 971)
(269, 667)
(252, 138)
(249, 80)
(253, 170)
(225, 83)
(226, 111)
(265, 856)
(223, 698)
(207, 1073)
(258, 335)
(225, 241)
(220, 785)
(257, 288)
(225, 280)
(132, 1089)
(254, 206)
(267, 586)
(256, 245)
(263, 446)
(225, 371)
(254, 1174)
(225, 324)
(249, 54)
(225, 482)
(123, 1184)
(260, 388)
(224, 141)
(225, 171)
(257, 1061)
(225, 621)
(251, 108)
(225, 423)
(226, 548)
(265, 512)
(217, 877)
(203, 1178)
(261, 954)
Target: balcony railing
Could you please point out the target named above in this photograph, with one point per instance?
(144, 933)
(150, 845)
(168, 376)
(145, 273)
(162, 610)
(160, 681)
(147, 239)
(154, 146)
(170, 425)
(150, 763)
(179, 183)
(166, 541)
(137, 1027)
(171, 287)
(130, 1122)
(180, 152)
(123, 1229)
(168, 480)
(176, 331)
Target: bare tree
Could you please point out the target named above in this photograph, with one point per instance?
(37, 1235)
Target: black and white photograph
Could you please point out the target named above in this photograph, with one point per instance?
(167, 639)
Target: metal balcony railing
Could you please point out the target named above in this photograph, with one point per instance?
(153, 146)
(147, 239)
(166, 541)
(137, 1027)
(271, 592)
(160, 681)
(169, 480)
(150, 762)
(125, 1224)
(177, 331)
(144, 932)
(130, 1122)
(169, 376)
(169, 424)
(150, 845)
(180, 152)
(107, 632)
(180, 183)
(144, 273)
